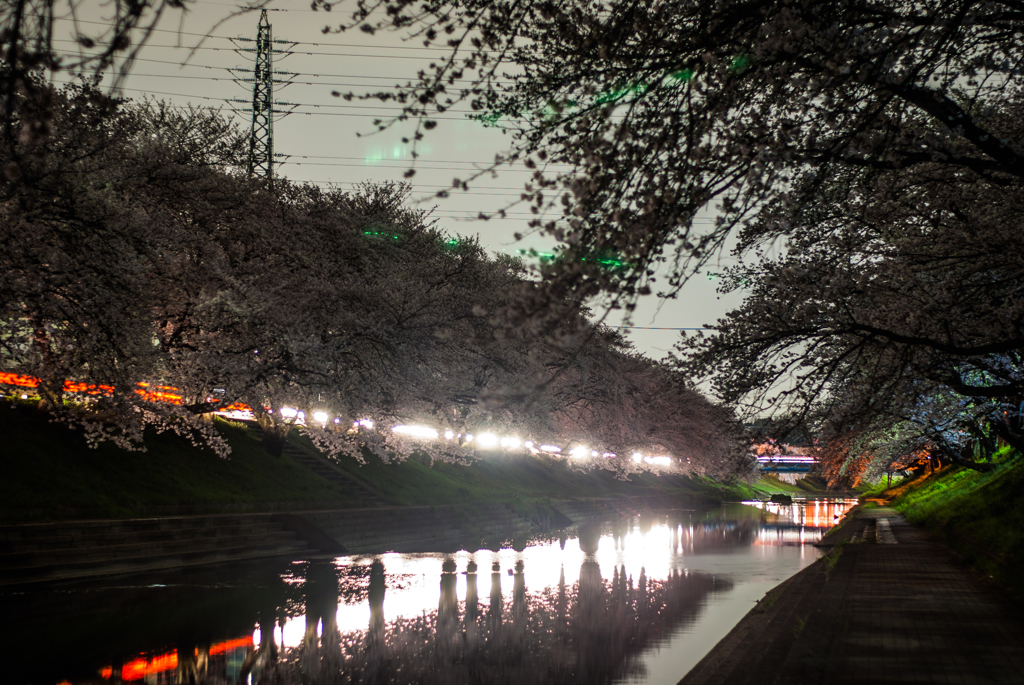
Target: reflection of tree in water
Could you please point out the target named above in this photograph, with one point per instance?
(589, 632)
(716, 534)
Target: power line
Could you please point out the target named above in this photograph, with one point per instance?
(655, 328)
(383, 116)
(325, 45)
(206, 66)
(290, 82)
(289, 51)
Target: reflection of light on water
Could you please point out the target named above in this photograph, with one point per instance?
(413, 579)
(662, 549)
(645, 551)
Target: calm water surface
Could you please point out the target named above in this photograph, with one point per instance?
(640, 600)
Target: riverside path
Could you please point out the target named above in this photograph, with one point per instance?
(888, 604)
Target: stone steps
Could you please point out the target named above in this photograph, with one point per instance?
(322, 467)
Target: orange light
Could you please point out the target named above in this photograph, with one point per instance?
(16, 379)
(71, 386)
(237, 406)
(106, 672)
(229, 645)
(140, 668)
(157, 396)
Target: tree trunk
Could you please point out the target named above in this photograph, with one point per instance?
(274, 435)
(50, 389)
(1014, 440)
(51, 395)
(958, 459)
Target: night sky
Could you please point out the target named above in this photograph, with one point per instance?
(321, 141)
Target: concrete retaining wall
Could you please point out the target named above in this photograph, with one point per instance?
(46, 552)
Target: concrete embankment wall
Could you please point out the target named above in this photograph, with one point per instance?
(68, 550)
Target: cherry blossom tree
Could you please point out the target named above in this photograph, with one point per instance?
(661, 110)
(136, 251)
(91, 218)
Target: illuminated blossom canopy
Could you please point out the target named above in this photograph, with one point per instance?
(864, 158)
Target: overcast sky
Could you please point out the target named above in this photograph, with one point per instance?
(321, 138)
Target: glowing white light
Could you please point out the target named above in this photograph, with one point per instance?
(321, 417)
(365, 423)
(637, 457)
(469, 437)
(289, 413)
(608, 455)
(24, 397)
(593, 453)
(528, 444)
(415, 431)
(448, 435)
(579, 452)
(659, 461)
(487, 441)
(510, 443)
(337, 420)
(553, 449)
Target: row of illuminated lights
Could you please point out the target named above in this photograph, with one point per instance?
(780, 459)
(483, 441)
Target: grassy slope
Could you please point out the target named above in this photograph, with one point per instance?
(508, 478)
(981, 515)
(47, 467)
(48, 470)
(770, 484)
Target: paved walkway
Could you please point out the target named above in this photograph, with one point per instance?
(896, 607)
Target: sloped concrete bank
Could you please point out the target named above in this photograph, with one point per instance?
(888, 603)
(71, 550)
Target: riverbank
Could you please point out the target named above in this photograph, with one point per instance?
(979, 515)
(50, 474)
(887, 603)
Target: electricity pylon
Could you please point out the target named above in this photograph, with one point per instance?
(261, 139)
(261, 136)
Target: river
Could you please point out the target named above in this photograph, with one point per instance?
(639, 600)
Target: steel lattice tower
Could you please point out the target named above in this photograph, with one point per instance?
(261, 139)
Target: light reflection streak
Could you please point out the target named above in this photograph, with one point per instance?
(436, 597)
(413, 590)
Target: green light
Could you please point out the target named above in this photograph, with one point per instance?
(638, 88)
(683, 75)
(613, 263)
(739, 64)
(489, 119)
(381, 233)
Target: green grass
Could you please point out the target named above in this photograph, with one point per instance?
(519, 480)
(769, 485)
(832, 558)
(49, 472)
(980, 515)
